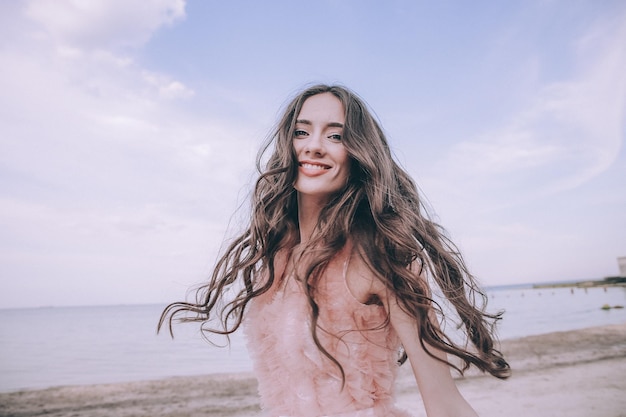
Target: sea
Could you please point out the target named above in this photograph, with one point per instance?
(57, 346)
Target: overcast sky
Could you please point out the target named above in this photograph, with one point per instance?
(128, 131)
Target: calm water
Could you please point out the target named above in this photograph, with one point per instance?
(84, 345)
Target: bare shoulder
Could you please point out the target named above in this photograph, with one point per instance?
(366, 284)
(362, 281)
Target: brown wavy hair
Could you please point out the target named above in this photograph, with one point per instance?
(380, 211)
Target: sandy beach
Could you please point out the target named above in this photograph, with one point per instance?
(578, 373)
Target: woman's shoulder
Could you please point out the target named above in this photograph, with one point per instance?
(365, 283)
(362, 281)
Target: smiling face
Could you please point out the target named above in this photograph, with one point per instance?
(323, 161)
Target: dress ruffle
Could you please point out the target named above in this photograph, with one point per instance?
(296, 379)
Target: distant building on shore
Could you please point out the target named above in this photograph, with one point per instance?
(621, 261)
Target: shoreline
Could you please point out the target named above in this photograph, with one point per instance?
(616, 281)
(573, 373)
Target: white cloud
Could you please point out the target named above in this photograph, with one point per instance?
(501, 153)
(103, 175)
(77, 255)
(167, 88)
(569, 134)
(104, 24)
(523, 198)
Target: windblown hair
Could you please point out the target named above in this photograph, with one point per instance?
(380, 212)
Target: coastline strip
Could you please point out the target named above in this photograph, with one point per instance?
(573, 373)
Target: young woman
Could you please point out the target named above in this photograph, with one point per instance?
(334, 278)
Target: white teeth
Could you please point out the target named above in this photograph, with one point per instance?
(313, 166)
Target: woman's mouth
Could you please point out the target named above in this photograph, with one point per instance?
(309, 165)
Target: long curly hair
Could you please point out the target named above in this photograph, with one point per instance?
(380, 211)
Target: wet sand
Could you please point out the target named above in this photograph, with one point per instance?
(575, 374)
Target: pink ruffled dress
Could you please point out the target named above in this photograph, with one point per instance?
(296, 379)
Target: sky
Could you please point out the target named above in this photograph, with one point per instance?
(129, 131)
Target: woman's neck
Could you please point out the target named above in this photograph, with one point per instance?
(309, 209)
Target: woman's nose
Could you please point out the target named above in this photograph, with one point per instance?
(314, 144)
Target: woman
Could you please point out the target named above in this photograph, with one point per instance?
(336, 272)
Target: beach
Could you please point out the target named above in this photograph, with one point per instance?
(580, 373)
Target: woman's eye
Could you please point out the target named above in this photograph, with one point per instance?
(300, 133)
(335, 136)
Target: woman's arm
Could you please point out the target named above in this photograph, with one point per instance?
(439, 392)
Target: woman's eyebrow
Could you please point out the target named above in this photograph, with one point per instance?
(308, 122)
